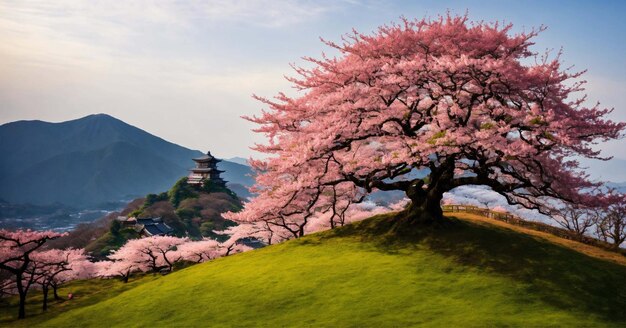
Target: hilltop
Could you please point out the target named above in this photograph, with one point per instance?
(194, 212)
(92, 160)
(465, 273)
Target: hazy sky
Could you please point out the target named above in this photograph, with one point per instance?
(185, 70)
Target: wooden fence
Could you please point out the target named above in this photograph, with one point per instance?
(537, 226)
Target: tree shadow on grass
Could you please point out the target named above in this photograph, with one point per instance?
(560, 276)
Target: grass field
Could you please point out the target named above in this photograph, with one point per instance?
(466, 273)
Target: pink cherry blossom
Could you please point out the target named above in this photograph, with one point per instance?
(462, 101)
(17, 249)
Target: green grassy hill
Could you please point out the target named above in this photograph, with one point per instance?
(462, 274)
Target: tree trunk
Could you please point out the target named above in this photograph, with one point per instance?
(22, 310)
(425, 207)
(424, 211)
(20, 290)
(45, 298)
(55, 289)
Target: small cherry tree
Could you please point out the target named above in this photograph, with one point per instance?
(149, 254)
(16, 251)
(464, 102)
(200, 251)
(119, 267)
(54, 267)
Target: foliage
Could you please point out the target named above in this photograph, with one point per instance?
(196, 214)
(463, 101)
(145, 254)
(209, 186)
(18, 258)
(157, 253)
(154, 198)
(108, 242)
(464, 275)
(115, 227)
(180, 191)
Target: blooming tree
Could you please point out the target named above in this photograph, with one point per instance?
(148, 254)
(16, 251)
(201, 251)
(263, 230)
(117, 268)
(464, 102)
(53, 267)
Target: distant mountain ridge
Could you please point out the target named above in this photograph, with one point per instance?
(92, 160)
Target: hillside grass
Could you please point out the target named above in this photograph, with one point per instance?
(85, 293)
(464, 273)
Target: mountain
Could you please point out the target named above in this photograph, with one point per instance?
(465, 273)
(238, 160)
(91, 160)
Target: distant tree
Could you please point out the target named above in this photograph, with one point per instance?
(54, 267)
(611, 227)
(575, 218)
(117, 268)
(149, 254)
(153, 198)
(16, 251)
(208, 249)
(199, 251)
(263, 231)
(115, 227)
(464, 102)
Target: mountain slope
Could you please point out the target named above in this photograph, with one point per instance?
(91, 160)
(463, 274)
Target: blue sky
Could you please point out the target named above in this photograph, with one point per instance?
(185, 70)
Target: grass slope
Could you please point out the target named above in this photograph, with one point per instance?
(463, 274)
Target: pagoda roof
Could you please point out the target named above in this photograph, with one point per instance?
(207, 158)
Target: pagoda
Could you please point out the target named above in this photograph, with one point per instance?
(206, 169)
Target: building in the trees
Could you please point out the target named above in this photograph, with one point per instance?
(146, 227)
(206, 169)
(127, 222)
(152, 227)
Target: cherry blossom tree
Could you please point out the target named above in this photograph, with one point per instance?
(148, 254)
(467, 102)
(201, 251)
(121, 267)
(16, 251)
(262, 230)
(54, 267)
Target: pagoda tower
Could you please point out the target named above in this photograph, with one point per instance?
(206, 169)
